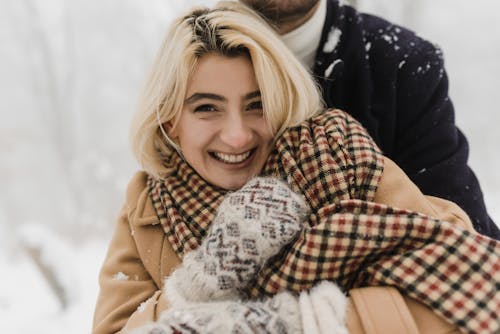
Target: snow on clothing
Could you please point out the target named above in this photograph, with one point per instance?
(395, 84)
(142, 250)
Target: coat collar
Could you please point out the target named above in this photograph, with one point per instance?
(139, 205)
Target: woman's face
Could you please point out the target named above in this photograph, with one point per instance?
(222, 132)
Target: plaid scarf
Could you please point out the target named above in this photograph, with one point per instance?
(331, 160)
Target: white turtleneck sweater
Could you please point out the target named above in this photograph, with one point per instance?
(304, 40)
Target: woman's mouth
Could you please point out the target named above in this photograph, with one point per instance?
(232, 158)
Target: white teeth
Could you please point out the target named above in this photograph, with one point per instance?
(232, 158)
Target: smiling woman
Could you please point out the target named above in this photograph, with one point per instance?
(251, 192)
(287, 91)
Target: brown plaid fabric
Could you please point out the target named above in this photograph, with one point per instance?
(327, 159)
(185, 205)
(358, 243)
(334, 164)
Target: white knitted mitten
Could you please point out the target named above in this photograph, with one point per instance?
(278, 315)
(323, 309)
(252, 225)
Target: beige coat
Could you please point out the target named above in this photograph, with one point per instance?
(140, 250)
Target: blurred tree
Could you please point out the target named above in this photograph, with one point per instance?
(53, 72)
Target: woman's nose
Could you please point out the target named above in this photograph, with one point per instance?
(236, 132)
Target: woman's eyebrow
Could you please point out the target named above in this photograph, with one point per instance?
(198, 96)
(252, 95)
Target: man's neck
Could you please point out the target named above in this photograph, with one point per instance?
(304, 40)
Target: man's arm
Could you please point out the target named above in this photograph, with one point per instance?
(395, 84)
(428, 145)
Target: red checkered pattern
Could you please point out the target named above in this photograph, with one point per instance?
(335, 165)
(358, 243)
(185, 204)
(327, 159)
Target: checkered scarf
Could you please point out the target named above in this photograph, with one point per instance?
(333, 163)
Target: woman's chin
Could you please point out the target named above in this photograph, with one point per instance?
(233, 184)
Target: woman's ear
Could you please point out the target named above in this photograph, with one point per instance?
(170, 130)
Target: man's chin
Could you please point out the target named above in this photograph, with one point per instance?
(282, 13)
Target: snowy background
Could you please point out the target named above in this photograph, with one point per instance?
(70, 75)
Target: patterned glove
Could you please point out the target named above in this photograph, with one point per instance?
(277, 315)
(319, 311)
(252, 225)
(323, 309)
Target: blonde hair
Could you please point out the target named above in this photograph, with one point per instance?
(289, 94)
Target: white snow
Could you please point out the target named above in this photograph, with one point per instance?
(54, 253)
(387, 38)
(71, 75)
(332, 40)
(119, 276)
(330, 67)
(142, 307)
(27, 304)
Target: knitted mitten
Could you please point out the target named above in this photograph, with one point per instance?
(323, 309)
(252, 225)
(277, 315)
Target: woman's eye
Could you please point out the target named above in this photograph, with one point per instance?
(255, 105)
(205, 108)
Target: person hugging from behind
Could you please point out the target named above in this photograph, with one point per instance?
(254, 201)
(394, 83)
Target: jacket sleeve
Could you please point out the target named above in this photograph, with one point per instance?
(377, 174)
(125, 285)
(396, 189)
(429, 146)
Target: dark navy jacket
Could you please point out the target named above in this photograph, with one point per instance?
(395, 84)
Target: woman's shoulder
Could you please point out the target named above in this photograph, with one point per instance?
(136, 186)
(137, 199)
(331, 123)
(334, 117)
